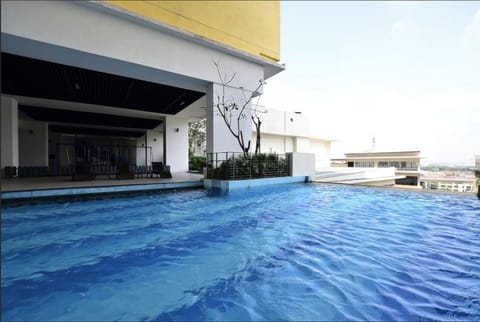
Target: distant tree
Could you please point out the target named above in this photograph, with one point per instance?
(446, 168)
(232, 111)
(197, 134)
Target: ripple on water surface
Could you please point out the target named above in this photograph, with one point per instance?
(298, 251)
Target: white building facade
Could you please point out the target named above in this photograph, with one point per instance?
(285, 131)
(75, 73)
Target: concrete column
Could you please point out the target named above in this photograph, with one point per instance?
(176, 144)
(219, 138)
(9, 140)
(302, 164)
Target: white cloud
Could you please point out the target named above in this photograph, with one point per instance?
(442, 124)
(471, 33)
(400, 26)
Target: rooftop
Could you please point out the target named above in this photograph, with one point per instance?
(386, 153)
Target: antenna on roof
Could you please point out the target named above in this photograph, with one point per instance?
(373, 143)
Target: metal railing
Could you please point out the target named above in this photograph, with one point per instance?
(238, 165)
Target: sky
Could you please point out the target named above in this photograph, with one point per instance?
(406, 73)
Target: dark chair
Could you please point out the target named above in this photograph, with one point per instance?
(83, 172)
(112, 171)
(124, 171)
(166, 172)
(10, 172)
(160, 170)
(157, 168)
(141, 170)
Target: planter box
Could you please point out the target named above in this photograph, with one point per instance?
(229, 185)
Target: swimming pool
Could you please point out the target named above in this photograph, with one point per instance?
(296, 251)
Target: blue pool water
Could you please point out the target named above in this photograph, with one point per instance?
(297, 251)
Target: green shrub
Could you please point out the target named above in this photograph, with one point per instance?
(196, 163)
(250, 167)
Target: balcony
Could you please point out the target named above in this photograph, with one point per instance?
(406, 169)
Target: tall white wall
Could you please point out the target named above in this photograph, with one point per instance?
(274, 143)
(284, 123)
(33, 144)
(302, 145)
(283, 132)
(9, 140)
(176, 143)
(273, 121)
(297, 124)
(219, 138)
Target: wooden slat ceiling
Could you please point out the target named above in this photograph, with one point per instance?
(36, 78)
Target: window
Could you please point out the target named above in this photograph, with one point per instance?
(395, 164)
(412, 165)
(364, 164)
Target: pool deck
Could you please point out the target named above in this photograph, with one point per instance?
(26, 188)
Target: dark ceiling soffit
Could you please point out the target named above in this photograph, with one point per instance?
(94, 131)
(37, 78)
(67, 116)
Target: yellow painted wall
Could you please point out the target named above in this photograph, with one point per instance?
(250, 26)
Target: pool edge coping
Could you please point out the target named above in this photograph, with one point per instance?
(97, 190)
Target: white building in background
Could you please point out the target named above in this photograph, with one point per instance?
(283, 132)
(405, 163)
(386, 169)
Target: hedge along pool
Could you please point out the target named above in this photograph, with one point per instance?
(295, 251)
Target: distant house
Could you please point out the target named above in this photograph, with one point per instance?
(406, 164)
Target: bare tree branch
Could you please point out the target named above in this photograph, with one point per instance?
(229, 110)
